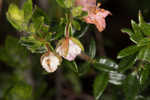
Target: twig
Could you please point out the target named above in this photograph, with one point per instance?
(100, 44)
(73, 96)
(58, 84)
(1, 5)
(85, 57)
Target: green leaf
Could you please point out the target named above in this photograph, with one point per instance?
(76, 25)
(16, 17)
(71, 65)
(131, 86)
(61, 3)
(20, 91)
(126, 30)
(127, 63)
(128, 51)
(76, 11)
(130, 33)
(36, 25)
(100, 83)
(116, 78)
(104, 64)
(27, 8)
(141, 19)
(144, 74)
(92, 48)
(32, 44)
(144, 54)
(144, 42)
(138, 34)
(38, 12)
(84, 31)
(68, 3)
(145, 27)
(84, 68)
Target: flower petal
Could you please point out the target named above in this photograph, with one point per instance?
(50, 62)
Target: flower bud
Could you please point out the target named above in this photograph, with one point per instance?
(50, 61)
(69, 48)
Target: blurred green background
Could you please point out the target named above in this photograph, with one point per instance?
(23, 78)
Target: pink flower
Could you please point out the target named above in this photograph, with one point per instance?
(69, 48)
(50, 61)
(95, 15)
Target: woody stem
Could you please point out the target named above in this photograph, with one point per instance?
(67, 30)
(48, 48)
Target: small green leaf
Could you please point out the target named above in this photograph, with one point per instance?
(71, 65)
(38, 12)
(36, 25)
(84, 31)
(126, 30)
(144, 54)
(104, 64)
(100, 83)
(131, 86)
(128, 51)
(131, 34)
(92, 48)
(61, 3)
(76, 11)
(84, 68)
(16, 17)
(76, 25)
(127, 63)
(35, 46)
(116, 78)
(144, 42)
(69, 3)
(141, 19)
(138, 34)
(144, 74)
(145, 27)
(27, 8)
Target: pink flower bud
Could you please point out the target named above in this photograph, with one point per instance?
(69, 48)
(50, 61)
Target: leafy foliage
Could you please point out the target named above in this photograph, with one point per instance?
(42, 36)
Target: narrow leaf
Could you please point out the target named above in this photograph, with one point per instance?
(104, 64)
(131, 86)
(100, 83)
(92, 48)
(138, 34)
(127, 63)
(128, 51)
(144, 54)
(144, 41)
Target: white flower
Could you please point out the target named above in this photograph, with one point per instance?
(50, 62)
(69, 48)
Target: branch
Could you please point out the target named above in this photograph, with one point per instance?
(1, 5)
(58, 83)
(100, 44)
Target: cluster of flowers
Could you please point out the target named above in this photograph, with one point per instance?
(69, 47)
